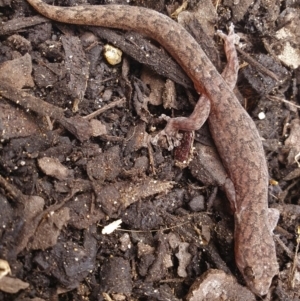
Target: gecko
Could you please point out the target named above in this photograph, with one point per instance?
(234, 132)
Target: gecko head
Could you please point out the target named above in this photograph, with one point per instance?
(258, 265)
(259, 274)
(260, 279)
(255, 251)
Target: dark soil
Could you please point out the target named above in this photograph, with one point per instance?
(66, 172)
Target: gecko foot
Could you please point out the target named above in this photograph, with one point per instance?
(231, 37)
(173, 140)
(170, 132)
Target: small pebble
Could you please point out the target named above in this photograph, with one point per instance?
(197, 203)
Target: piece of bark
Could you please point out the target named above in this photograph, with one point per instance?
(17, 24)
(152, 56)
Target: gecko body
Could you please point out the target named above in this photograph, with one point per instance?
(234, 132)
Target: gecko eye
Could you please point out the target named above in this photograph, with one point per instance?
(248, 272)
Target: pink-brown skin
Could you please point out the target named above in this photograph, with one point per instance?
(233, 131)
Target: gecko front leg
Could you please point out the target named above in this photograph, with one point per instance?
(203, 106)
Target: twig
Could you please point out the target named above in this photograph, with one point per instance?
(257, 65)
(77, 125)
(14, 193)
(295, 262)
(104, 109)
(283, 100)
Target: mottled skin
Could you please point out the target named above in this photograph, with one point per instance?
(234, 132)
